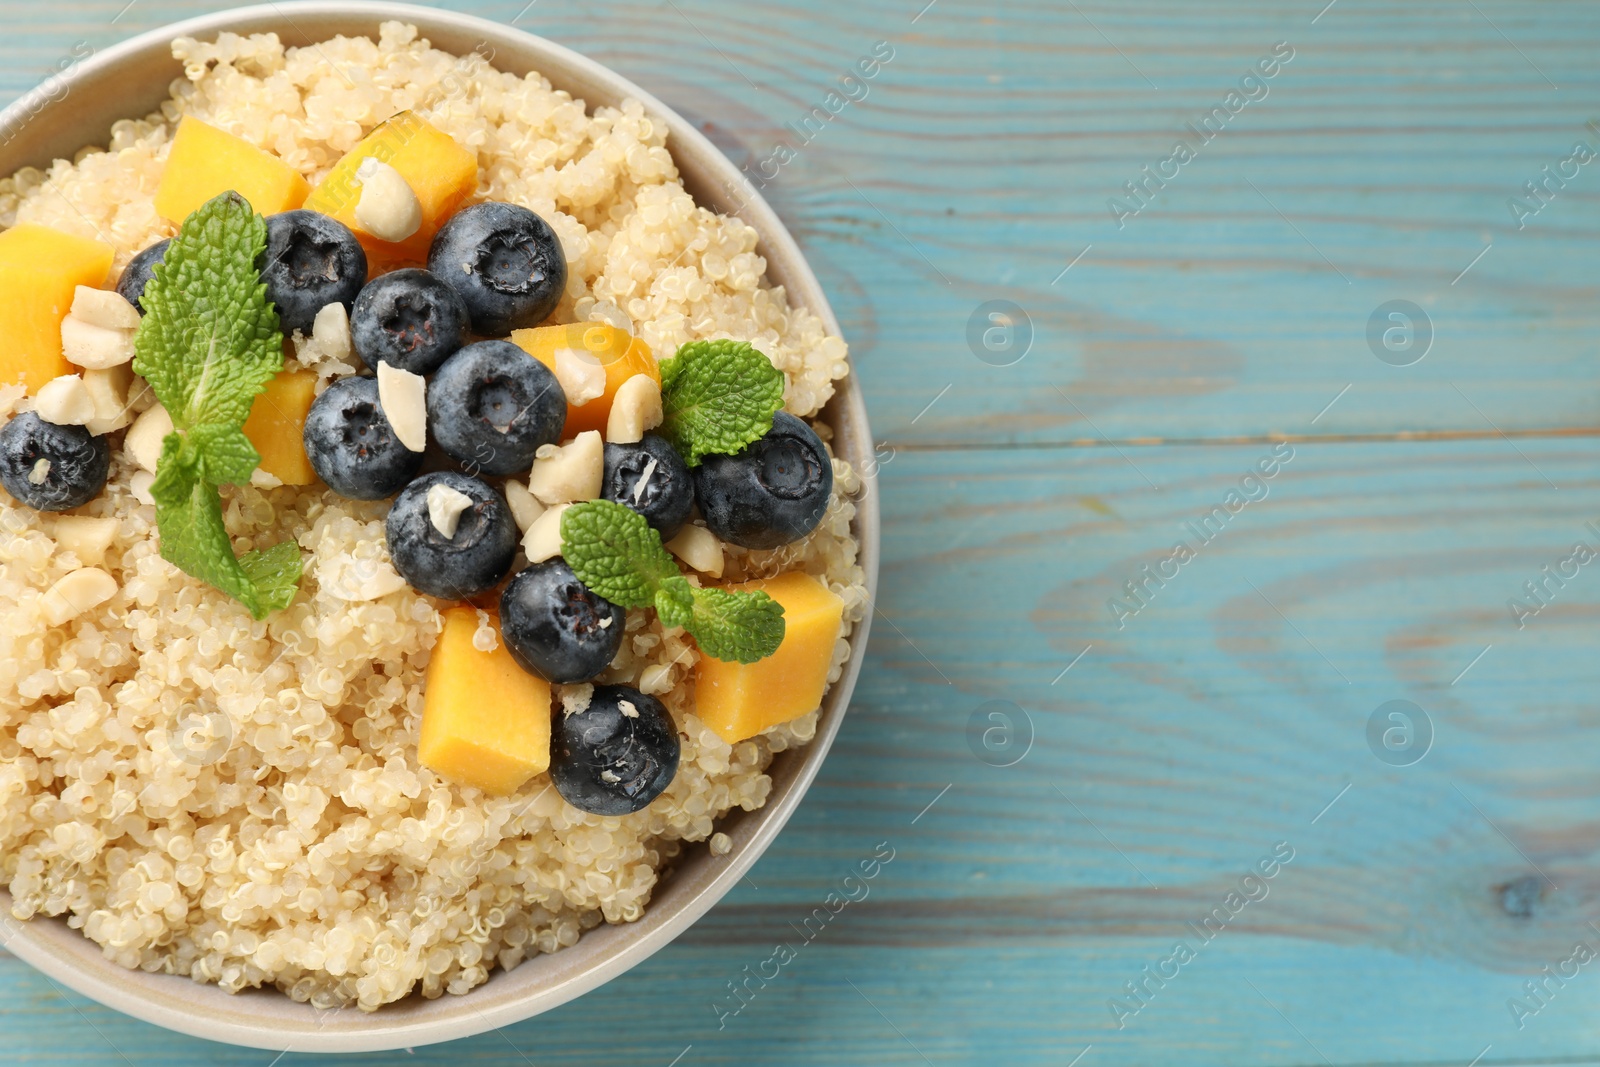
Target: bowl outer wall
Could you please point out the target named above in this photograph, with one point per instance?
(130, 80)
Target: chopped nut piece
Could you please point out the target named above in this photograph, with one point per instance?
(76, 594)
(331, 331)
(445, 506)
(144, 438)
(105, 308)
(403, 397)
(93, 346)
(581, 376)
(139, 485)
(108, 388)
(543, 540)
(85, 537)
(525, 507)
(635, 409)
(699, 548)
(64, 401)
(573, 473)
(388, 208)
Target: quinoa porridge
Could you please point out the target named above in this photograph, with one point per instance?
(240, 799)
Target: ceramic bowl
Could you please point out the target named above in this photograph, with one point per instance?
(131, 80)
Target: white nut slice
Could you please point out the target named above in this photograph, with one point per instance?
(525, 507)
(543, 540)
(445, 506)
(139, 485)
(64, 401)
(105, 308)
(388, 208)
(85, 537)
(144, 438)
(76, 594)
(572, 472)
(108, 388)
(581, 376)
(699, 548)
(635, 409)
(89, 345)
(331, 331)
(403, 397)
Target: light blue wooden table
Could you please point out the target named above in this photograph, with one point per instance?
(1175, 743)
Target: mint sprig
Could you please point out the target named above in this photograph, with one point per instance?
(208, 344)
(717, 397)
(619, 556)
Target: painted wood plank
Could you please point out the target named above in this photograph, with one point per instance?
(1229, 714)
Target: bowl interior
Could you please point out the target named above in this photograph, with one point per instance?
(132, 80)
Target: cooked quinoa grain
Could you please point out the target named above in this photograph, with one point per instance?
(240, 801)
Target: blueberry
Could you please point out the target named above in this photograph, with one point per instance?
(491, 405)
(140, 269)
(665, 498)
(556, 627)
(615, 756)
(351, 445)
(773, 492)
(50, 467)
(455, 568)
(410, 320)
(311, 261)
(505, 261)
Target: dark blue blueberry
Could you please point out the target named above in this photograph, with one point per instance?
(773, 492)
(50, 467)
(311, 261)
(556, 627)
(505, 261)
(140, 269)
(455, 568)
(491, 405)
(615, 756)
(665, 498)
(351, 445)
(408, 319)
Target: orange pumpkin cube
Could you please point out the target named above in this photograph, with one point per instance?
(619, 352)
(441, 172)
(485, 720)
(40, 271)
(206, 162)
(739, 700)
(277, 422)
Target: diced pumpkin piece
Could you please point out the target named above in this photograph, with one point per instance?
(40, 271)
(276, 424)
(619, 352)
(206, 162)
(485, 720)
(440, 172)
(739, 700)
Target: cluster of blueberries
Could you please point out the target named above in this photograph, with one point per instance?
(492, 268)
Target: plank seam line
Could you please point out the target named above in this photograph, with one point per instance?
(1422, 436)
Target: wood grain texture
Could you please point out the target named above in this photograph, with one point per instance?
(1231, 711)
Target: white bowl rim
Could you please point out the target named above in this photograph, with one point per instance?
(66, 956)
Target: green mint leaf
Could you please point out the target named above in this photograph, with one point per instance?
(209, 340)
(740, 627)
(208, 344)
(717, 397)
(226, 455)
(615, 552)
(194, 540)
(675, 601)
(275, 574)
